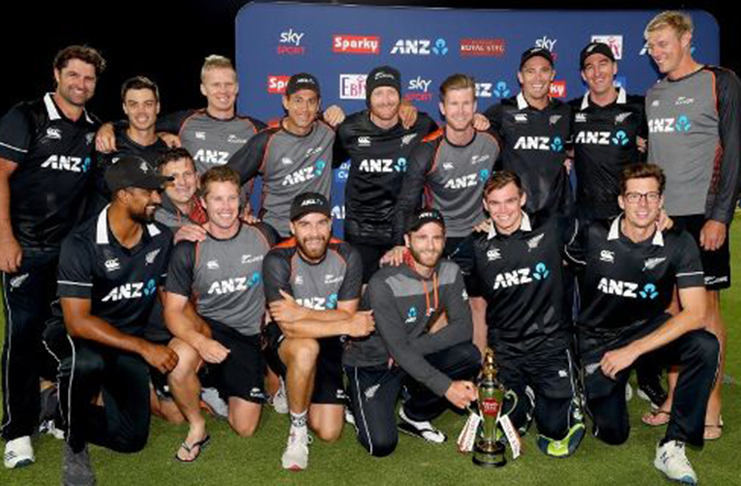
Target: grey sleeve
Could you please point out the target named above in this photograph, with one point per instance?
(391, 327)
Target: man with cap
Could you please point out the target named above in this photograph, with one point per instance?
(222, 276)
(422, 340)
(378, 145)
(110, 269)
(293, 156)
(534, 129)
(46, 163)
(312, 285)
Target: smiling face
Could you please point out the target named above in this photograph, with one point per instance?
(504, 206)
(141, 107)
(221, 201)
(313, 232)
(220, 87)
(142, 204)
(669, 50)
(535, 77)
(599, 73)
(384, 104)
(185, 180)
(642, 202)
(426, 244)
(76, 82)
(302, 108)
(458, 107)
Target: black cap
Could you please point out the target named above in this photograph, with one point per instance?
(423, 216)
(382, 76)
(595, 48)
(133, 171)
(302, 81)
(536, 52)
(309, 202)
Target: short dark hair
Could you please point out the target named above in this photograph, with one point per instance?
(84, 54)
(139, 82)
(220, 173)
(500, 179)
(171, 155)
(642, 171)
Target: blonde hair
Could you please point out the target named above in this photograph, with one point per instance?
(215, 61)
(680, 22)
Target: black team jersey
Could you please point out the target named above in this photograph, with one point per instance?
(522, 280)
(452, 179)
(378, 161)
(319, 286)
(622, 283)
(55, 158)
(534, 146)
(604, 143)
(121, 283)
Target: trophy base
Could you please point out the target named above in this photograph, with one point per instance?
(489, 458)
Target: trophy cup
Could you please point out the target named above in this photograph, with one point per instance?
(487, 451)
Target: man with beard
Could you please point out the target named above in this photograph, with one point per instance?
(423, 341)
(181, 209)
(223, 276)
(378, 145)
(293, 156)
(46, 160)
(312, 285)
(109, 272)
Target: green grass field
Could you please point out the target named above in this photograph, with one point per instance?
(231, 460)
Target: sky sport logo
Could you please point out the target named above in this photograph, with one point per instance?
(482, 48)
(277, 84)
(418, 89)
(558, 89)
(352, 86)
(356, 44)
(290, 43)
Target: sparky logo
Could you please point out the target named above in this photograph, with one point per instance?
(356, 44)
(236, 284)
(277, 84)
(412, 315)
(306, 174)
(67, 164)
(134, 290)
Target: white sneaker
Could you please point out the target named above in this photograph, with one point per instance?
(349, 417)
(628, 392)
(671, 460)
(296, 455)
(280, 399)
(218, 406)
(18, 453)
(424, 430)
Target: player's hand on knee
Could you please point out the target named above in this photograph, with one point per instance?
(615, 361)
(11, 255)
(172, 140)
(712, 235)
(394, 257)
(212, 351)
(362, 324)
(105, 139)
(461, 393)
(161, 357)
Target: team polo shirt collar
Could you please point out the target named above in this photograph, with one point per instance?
(53, 111)
(622, 98)
(102, 230)
(614, 234)
(525, 225)
(521, 101)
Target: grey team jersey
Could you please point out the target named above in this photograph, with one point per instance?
(290, 165)
(224, 277)
(695, 136)
(452, 178)
(209, 140)
(404, 306)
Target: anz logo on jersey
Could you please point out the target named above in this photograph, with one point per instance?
(602, 138)
(554, 144)
(306, 174)
(237, 284)
(216, 157)
(66, 163)
(134, 290)
(470, 180)
(630, 290)
(383, 165)
(521, 276)
(319, 303)
(412, 315)
(681, 124)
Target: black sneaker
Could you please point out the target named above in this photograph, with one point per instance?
(652, 391)
(76, 468)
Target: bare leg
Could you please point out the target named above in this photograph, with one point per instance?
(326, 420)
(244, 416)
(478, 312)
(186, 390)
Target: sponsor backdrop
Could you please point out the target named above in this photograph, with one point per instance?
(339, 44)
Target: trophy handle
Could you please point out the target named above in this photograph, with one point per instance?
(513, 395)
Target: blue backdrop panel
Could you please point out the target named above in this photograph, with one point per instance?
(340, 44)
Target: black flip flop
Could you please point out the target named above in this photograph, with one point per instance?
(188, 448)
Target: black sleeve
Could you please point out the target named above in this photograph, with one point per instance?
(276, 271)
(687, 263)
(172, 122)
(181, 268)
(729, 125)
(353, 281)
(258, 124)
(16, 134)
(247, 161)
(268, 233)
(410, 197)
(339, 151)
(494, 114)
(75, 274)
(575, 249)
(427, 125)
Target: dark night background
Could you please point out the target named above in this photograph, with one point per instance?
(167, 40)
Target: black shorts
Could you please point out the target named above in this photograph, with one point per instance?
(328, 381)
(716, 264)
(548, 371)
(460, 250)
(242, 373)
(370, 254)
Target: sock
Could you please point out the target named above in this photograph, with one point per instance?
(298, 420)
